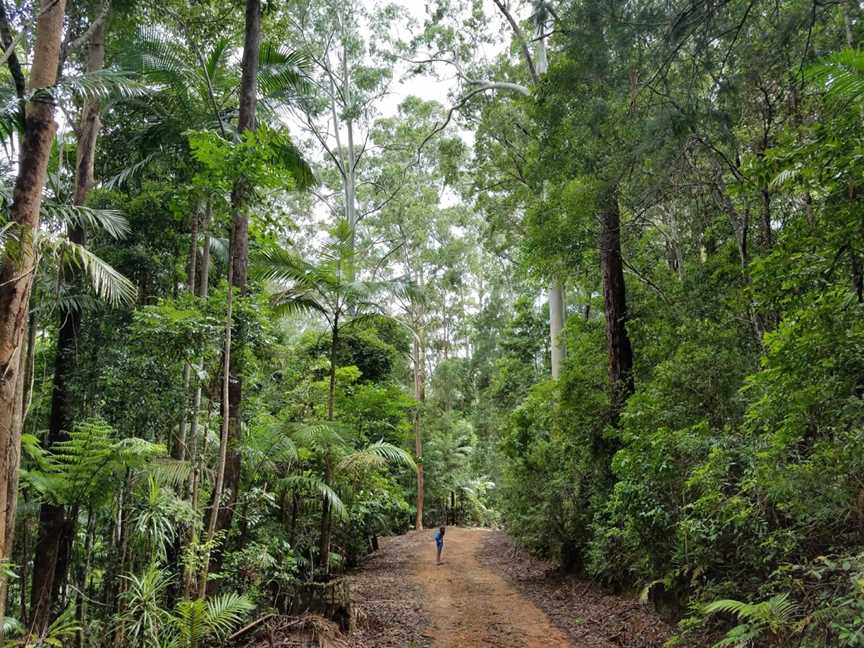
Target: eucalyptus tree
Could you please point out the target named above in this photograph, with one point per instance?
(459, 52)
(349, 76)
(415, 235)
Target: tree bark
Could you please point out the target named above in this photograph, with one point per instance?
(326, 522)
(240, 256)
(556, 327)
(19, 261)
(619, 349)
(420, 396)
(55, 529)
(180, 441)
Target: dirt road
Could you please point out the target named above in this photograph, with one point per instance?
(487, 594)
(469, 605)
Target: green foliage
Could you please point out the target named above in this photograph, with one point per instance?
(771, 617)
(263, 158)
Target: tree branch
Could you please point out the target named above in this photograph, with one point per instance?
(523, 44)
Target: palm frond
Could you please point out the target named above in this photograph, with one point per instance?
(225, 612)
(841, 74)
(377, 455)
(292, 159)
(318, 435)
(170, 472)
(110, 221)
(306, 482)
(282, 72)
(288, 303)
(108, 284)
(219, 248)
(12, 626)
(104, 84)
(120, 179)
(283, 266)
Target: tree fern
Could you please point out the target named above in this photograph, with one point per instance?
(84, 467)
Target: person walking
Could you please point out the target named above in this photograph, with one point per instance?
(439, 543)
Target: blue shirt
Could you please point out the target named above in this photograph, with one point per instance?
(439, 537)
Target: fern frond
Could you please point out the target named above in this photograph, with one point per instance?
(170, 472)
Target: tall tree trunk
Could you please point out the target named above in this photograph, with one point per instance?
(326, 513)
(180, 441)
(556, 292)
(620, 351)
(225, 432)
(240, 254)
(420, 396)
(556, 327)
(13, 459)
(55, 529)
(19, 261)
(202, 290)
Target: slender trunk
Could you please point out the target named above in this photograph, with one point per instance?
(351, 166)
(295, 507)
(180, 442)
(240, 196)
(19, 259)
(620, 351)
(331, 391)
(202, 291)
(82, 579)
(52, 548)
(326, 522)
(420, 396)
(556, 327)
(116, 603)
(452, 507)
(224, 437)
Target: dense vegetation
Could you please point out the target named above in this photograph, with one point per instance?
(607, 292)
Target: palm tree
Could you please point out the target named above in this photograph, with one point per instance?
(333, 443)
(329, 288)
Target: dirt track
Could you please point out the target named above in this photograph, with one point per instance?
(470, 605)
(487, 594)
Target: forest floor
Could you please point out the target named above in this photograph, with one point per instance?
(487, 594)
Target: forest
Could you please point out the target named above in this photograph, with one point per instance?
(281, 279)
